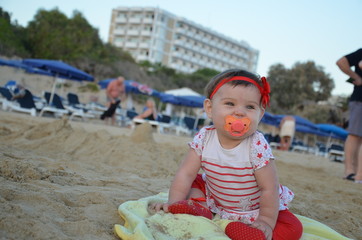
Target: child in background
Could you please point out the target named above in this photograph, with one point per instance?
(239, 182)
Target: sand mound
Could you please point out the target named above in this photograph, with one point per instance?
(142, 133)
(65, 180)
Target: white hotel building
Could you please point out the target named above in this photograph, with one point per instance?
(158, 36)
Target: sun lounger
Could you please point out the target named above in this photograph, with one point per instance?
(164, 124)
(299, 146)
(5, 97)
(57, 108)
(336, 152)
(24, 104)
(137, 121)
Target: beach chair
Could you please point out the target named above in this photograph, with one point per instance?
(57, 108)
(299, 146)
(321, 150)
(130, 114)
(24, 105)
(164, 123)
(6, 97)
(73, 100)
(137, 121)
(95, 109)
(336, 152)
(193, 124)
(74, 105)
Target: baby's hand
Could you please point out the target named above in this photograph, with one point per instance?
(155, 207)
(264, 227)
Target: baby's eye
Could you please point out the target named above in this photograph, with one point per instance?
(250, 107)
(229, 103)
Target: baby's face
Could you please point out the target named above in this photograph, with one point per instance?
(239, 102)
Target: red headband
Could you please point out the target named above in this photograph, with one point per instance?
(264, 91)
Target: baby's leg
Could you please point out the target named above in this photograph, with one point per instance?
(196, 203)
(288, 227)
(190, 207)
(197, 195)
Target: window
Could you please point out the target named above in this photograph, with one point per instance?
(118, 39)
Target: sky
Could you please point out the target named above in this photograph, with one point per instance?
(284, 31)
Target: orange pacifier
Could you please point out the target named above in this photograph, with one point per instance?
(236, 126)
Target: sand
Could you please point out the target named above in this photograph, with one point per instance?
(65, 180)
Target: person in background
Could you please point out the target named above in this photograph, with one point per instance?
(287, 130)
(116, 92)
(150, 111)
(353, 144)
(240, 181)
(18, 92)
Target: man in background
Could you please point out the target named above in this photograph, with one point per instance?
(115, 92)
(353, 144)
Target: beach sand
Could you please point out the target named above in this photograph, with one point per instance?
(65, 180)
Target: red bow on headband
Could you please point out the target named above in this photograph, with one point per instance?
(265, 97)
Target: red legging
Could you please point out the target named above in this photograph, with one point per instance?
(288, 226)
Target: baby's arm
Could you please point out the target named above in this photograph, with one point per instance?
(267, 180)
(182, 181)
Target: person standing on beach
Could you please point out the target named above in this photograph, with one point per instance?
(353, 144)
(287, 130)
(115, 92)
(240, 181)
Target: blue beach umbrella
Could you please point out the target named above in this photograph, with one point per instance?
(57, 69)
(188, 101)
(333, 130)
(270, 119)
(20, 64)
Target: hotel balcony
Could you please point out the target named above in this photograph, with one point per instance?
(145, 45)
(133, 32)
(146, 33)
(121, 20)
(119, 32)
(147, 20)
(130, 44)
(135, 20)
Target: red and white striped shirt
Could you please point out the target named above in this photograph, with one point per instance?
(231, 188)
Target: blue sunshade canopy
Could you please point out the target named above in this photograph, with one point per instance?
(27, 68)
(58, 69)
(188, 101)
(333, 130)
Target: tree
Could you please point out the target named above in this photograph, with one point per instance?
(52, 35)
(11, 36)
(304, 82)
(199, 79)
